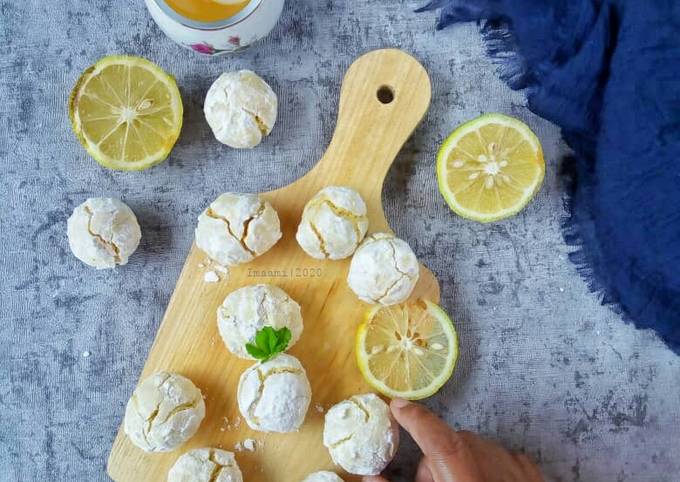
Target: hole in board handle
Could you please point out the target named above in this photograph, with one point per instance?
(385, 94)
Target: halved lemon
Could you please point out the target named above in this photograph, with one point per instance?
(490, 168)
(407, 351)
(126, 112)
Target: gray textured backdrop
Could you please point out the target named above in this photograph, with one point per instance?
(544, 367)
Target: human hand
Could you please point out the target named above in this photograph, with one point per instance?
(451, 456)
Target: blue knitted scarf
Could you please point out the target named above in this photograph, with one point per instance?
(608, 73)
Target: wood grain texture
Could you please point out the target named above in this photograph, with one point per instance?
(367, 138)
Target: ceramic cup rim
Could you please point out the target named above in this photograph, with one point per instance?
(220, 24)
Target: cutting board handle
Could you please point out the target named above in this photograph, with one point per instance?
(384, 95)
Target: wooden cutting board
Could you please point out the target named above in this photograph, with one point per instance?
(384, 95)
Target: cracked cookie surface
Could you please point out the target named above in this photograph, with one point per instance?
(274, 396)
(165, 411)
(103, 232)
(236, 228)
(206, 465)
(361, 435)
(251, 308)
(384, 270)
(240, 108)
(333, 223)
(323, 476)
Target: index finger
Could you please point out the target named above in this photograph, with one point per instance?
(434, 437)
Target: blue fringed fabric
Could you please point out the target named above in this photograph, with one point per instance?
(607, 73)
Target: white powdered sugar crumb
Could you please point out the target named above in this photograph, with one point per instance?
(248, 445)
(318, 407)
(86, 354)
(211, 277)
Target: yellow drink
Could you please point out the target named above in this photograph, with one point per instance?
(207, 10)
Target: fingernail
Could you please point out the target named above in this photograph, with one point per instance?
(399, 403)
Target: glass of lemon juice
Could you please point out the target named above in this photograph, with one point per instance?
(212, 27)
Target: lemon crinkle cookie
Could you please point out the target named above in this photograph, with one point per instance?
(383, 270)
(333, 223)
(249, 309)
(103, 232)
(206, 465)
(361, 434)
(240, 109)
(274, 396)
(164, 411)
(236, 228)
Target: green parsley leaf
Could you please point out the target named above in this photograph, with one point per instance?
(269, 343)
(284, 340)
(254, 351)
(262, 338)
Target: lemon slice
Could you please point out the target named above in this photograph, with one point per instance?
(407, 351)
(490, 168)
(127, 112)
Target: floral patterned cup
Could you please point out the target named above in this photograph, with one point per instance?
(252, 23)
